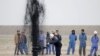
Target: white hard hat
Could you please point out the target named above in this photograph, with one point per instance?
(51, 35)
(95, 32)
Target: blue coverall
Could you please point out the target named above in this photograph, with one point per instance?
(42, 42)
(82, 39)
(72, 41)
(94, 46)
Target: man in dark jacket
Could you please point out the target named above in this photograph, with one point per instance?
(60, 38)
(57, 43)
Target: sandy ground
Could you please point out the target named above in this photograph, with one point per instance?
(7, 46)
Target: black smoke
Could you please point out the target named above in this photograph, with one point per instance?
(34, 9)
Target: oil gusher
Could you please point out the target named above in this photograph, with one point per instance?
(34, 10)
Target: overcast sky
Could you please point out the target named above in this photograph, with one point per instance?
(58, 12)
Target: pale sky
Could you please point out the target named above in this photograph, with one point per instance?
(58, 12)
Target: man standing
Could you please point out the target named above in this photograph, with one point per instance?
(23, 43)
(48, 45)
(16, 39)
(42, 41)
(52, 35)
(82, 39)
(72, 41)
(60, 38)
(57, 43)
(94, 40)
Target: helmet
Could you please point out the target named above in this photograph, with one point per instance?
(95, 32)
(51, 35)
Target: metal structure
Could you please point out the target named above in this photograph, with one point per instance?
(34, 10)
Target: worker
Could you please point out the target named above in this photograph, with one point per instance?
(94, 47)
(72, 40)
(82, 39)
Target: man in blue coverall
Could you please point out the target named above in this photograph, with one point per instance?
(82, 39)
(72, 41)
(42, 41)
(94, 47)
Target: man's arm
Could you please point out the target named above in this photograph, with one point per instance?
(75, 37)
(60, 38)
(80, 37)
(25, 39)
(15, 39)
(85, 37)
(98, 39)
(92, 39)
